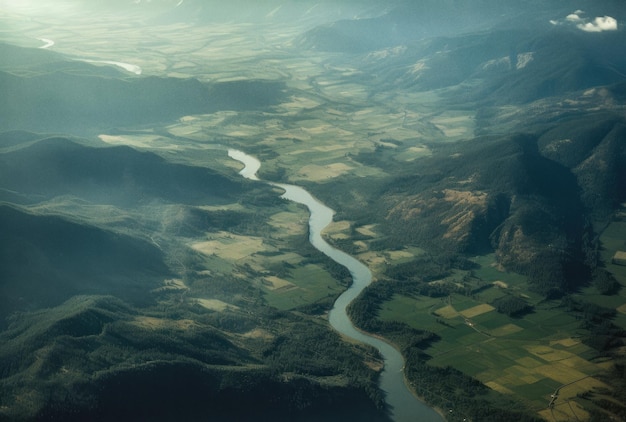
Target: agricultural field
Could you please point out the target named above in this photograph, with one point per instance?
(535, 358)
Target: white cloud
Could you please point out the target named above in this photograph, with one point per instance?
(573, 17)
(599, 24)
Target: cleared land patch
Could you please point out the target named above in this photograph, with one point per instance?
(230, 246)
(447, 312)
(367, 230)
(308, 284)
(275, 283)
(455, 126)
(289, 223)
(505, 330)
(316, 172)
(499, 388)
(214, 304)
(152, 323)
(477, 310)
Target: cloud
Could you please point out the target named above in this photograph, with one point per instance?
(573, 17)
(599, 24)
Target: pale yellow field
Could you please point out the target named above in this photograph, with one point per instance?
(317, 173)
(289, 223)
(231, 247)
(580, 364)
(447, 312)
(581, 386)
(337, 227)
(560, 373)
(455, 127)
(137, 141)
(372, 259)
(506, 330)
(275, 283)
(565, 410)
(497, 387)
(477, 310)
(214, 304)
(548, 353)
(171, 285)
(259, 333)
(399, 255)
(528, 362)
(151, 323)
(500, 284)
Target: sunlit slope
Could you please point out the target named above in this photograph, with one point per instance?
(530, 199)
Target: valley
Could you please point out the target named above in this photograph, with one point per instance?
(483, 195)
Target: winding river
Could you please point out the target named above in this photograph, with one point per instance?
(404, 406)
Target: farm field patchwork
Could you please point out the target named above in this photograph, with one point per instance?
(528, 357)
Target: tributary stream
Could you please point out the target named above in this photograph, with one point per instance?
(403, 405)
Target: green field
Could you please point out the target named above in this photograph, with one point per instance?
(528, 357)
(308, 284)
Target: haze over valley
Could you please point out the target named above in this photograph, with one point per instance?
(473, 153)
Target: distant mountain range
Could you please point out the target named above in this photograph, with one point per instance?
(405, 22)
(80, 98)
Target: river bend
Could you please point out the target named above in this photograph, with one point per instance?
(403, 405)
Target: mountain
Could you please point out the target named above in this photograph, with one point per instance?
(406, 22)
(45, 260)
(494, 194)
(593, 147)
(530, 197)
(499, 67)
(120, 176)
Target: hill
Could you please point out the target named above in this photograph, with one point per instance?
(46, 260)
(97, 358)
(120, 176)
(495, 193)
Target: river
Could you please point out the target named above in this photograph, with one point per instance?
(403, 405)
(126, 66)
(48, 43)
